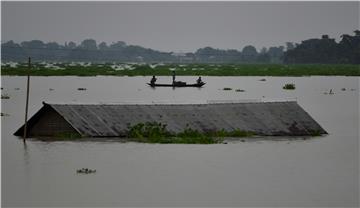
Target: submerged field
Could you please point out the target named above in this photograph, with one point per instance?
(161, 69)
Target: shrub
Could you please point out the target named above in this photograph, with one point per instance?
(5, 96)
(289, 86)
(153, 132)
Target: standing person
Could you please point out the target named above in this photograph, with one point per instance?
(173, 76)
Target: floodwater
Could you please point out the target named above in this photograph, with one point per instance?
(322, 171)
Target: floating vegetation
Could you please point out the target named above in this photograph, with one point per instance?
(137, 69)
(81, 88)
(153, 132)
(4, 114)
(148, 130)
(5, 96)
(51, 89)
(227, 88)
(343, 89)
(289, 86)
(315, 133)
(85, 171)
(329, 93)
(239, 90)
(263, 80)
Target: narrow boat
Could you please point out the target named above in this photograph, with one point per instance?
(177, 85)
(199, 83)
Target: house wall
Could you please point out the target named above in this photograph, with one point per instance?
(51, 124)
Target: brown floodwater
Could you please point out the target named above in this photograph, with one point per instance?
(322, 171)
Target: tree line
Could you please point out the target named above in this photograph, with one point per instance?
(324, 50)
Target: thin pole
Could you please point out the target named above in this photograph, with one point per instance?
(27, 98)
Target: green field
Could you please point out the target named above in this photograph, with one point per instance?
(182, 69)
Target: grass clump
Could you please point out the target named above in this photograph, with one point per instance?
(190, 136)
(153, 132)
(289, 86)
(5, 96)
(315, 133)
(239, 90)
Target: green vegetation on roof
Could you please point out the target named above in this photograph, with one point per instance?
(153, 132)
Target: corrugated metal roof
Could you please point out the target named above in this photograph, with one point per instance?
(263, 118)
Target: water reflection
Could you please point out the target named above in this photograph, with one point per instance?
(26, 155)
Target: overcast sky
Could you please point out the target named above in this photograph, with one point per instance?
(178, 26)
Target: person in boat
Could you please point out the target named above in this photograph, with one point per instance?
(173, 77)
(153, 80)
(199, 81)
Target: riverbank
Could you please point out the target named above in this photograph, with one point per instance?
(122, 69)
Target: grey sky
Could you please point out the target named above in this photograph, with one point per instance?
(178, 26)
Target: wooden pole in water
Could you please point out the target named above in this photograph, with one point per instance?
(27, 98)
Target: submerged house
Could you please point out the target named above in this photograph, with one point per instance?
(113, 120)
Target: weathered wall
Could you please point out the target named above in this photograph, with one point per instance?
(50, 124)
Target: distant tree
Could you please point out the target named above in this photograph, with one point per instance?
(249, 50)
(276, 54)
(103, 46)
(349, 48)
(118, 45)
(33, 44)
(10, 44)
(12, 51)
(88, 44)
(324, 50)
(263, 50)
(209, 54)
(206, 54)
(52, 45)
(249, 53)
(289, 46)
(71, 45)
(263, 58)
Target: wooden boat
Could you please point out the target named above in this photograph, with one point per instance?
(199, 83)
(177, 85)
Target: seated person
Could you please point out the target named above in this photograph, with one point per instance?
(153, 80)
(199, 81)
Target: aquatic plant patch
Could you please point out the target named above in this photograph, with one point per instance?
(289, 86)
(153, 132)
(161, 69)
